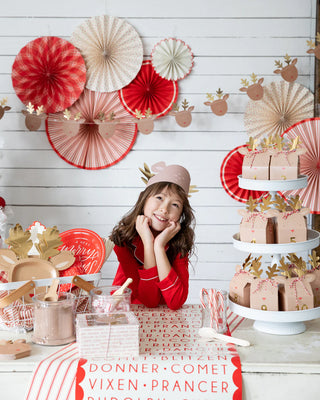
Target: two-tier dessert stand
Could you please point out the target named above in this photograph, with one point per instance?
(276, 322)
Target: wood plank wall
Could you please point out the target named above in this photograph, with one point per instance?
(230, 39)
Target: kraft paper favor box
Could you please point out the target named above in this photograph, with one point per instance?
(255, 164)
(256, 226)
(239, 287)
(285, 165)
(296, 293)
(315, 285)
(264, 294)
(107, 335)
(291, 226)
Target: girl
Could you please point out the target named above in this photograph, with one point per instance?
(154, 241)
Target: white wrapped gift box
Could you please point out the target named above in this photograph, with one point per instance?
(107, 335)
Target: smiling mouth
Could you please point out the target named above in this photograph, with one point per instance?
(160, 218)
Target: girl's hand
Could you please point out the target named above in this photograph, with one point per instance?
(143, 229)
(167, 234)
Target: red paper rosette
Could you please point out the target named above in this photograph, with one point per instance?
(231, 168)
(49, 71)
(88, 149)
(308, 131)
(149, 90)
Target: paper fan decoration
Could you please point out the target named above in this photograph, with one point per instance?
(49, 72)
(172, 59)
(283, 104)
(88, 149)
(309, 135)
(149, 91)
(112, 50)
(231, 168)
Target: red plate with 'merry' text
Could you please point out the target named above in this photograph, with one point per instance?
(87, 246)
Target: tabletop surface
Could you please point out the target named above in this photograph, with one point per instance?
(267, 353)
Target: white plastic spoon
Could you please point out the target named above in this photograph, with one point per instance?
(209, 333)
(118, 293)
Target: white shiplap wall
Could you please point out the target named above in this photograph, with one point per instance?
(230, 39)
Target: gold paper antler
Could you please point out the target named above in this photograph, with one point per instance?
(284, 268)
(255, 267)
(247, 262)
(49, 241)
(272, 271)
(19, 241)
(251, 204)
(314, 260)
(147, 173)
(280, 204)
(266, 203)
(295, 202)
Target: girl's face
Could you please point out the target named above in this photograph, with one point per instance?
(163, 208)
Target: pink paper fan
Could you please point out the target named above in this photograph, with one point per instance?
(231, 168)
(49, 72)
(149, 90)
(308, 131)
(88, 149)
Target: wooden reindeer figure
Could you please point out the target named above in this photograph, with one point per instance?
(315, 284)
(107, 125)
(4, 107)
(257, 226)
(313, 48)
(71, 124)
(239, 287)
(145, 122)
(255, 90)
(22, 267)
(291, 222)
(255, 164)
(184, 117)
(285, 161)
(33, 117)
(288, 72)
(295, 291)
(264, 291)
(220, 106)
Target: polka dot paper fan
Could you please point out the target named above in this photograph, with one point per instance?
(50, 72)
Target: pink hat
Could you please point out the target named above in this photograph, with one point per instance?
(171, 173)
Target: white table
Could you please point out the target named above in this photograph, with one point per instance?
(274, 367)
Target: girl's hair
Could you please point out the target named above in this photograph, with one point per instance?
(182, 242)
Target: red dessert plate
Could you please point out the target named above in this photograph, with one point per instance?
(86, 245)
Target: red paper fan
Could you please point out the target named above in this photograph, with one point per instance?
(149, 90)
(88, 149)
(231, 168)
(308, 131)
(49, 71)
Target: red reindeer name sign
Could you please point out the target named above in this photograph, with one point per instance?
(173, 364)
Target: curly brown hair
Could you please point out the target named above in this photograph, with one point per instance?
(183, 242)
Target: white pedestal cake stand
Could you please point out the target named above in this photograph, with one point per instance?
(276, 322)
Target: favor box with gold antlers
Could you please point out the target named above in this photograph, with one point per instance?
(257, 226)
(239, 287)
(255, 164)
(285, 165)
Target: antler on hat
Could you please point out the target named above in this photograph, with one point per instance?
(168, 173)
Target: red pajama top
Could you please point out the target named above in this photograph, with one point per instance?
(146, 286)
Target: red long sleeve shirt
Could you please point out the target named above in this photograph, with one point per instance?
(146, 286)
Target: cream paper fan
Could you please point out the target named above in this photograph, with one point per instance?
(283, 104)
(112, 51)
(172, 59)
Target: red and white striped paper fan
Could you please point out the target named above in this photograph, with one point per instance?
(308, 131)
(49, 72)
(88, 149)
